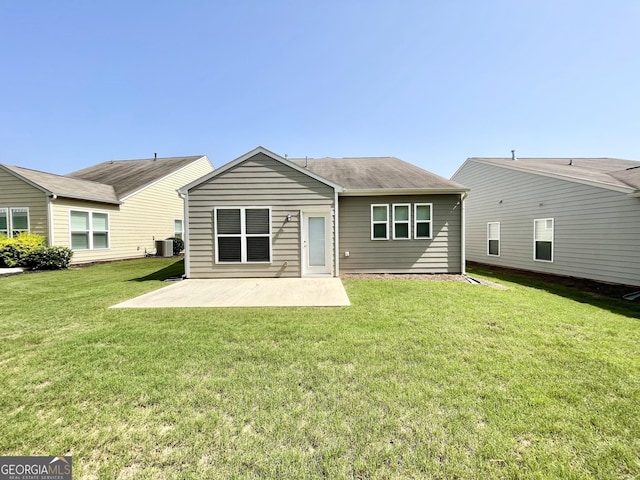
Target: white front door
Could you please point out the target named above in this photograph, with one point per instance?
(316, 243)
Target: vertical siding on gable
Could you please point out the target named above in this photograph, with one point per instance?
(596, 230)
(135, 225)
(259, 181)
(441, 254)
(17, 193)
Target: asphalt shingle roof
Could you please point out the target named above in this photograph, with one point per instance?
(613, 172)
(67, 187)
(107, 182)
(376, 173)
(129, 176)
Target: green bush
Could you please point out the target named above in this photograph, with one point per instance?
(29, 250)
(13, 251)
(178, 245)
(48, 258)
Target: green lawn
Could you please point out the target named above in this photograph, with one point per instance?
(416, 380)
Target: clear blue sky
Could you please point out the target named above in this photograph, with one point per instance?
(431, 82)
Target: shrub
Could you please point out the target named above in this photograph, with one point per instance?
(29, 250)
(48, 258)
(13, 251)
(178, 245)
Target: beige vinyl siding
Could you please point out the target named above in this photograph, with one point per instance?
(15, 192)
(259, 181)
(596, 230)
(440, 254)
(144, 217)
(62, 235)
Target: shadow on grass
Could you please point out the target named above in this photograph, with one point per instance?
(174, 270)
(605, 296)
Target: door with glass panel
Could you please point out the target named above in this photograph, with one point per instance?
(316, 244)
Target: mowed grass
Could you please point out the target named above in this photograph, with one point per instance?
(416, 379)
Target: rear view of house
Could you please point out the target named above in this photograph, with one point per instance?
(575, 217)
(263, 215)
(113, 210)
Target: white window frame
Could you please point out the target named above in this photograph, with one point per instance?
(91, 231)
(380, 222)
(489, 238)
(9, 213)
(6, 212)
(396, 222)
(181, 232)
(547, 221)
(243, 235)
(416, 221)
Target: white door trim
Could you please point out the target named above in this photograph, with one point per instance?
(327, 268)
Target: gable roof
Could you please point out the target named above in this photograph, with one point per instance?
(130, 176)
(63, 186)
(250, 154)
(378, 175)
(612, 173)
(354, 176)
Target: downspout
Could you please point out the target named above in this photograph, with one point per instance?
(50, 199)
(463, 259)
(185, 230)
(336, 242)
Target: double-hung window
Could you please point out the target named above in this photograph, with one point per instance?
(4, 222)
(543, 239)
(493, 239)
(14, 221)
(243, 235)
(19, 221)
(177, 229)
(401, 221)
(379, 222)
(89, 230)
(422, 213)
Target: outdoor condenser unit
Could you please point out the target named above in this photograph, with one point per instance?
(164, 248)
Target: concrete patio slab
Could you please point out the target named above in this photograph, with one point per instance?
(249, 292)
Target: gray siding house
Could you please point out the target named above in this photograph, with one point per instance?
(263, 215)
(575, 217)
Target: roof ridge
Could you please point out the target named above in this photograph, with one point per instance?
(146, 159)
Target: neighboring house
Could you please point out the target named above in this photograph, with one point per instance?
(574, 217)
(113, 210)
(263, 215)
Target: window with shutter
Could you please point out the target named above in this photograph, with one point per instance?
(243, 235)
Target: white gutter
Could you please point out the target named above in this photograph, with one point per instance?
(403, 191)
(463, 256)
(336, 240)
(185, 230)
(50, 198)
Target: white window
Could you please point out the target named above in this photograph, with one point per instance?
(4, 222)
(422, 215)
(401, 221)
(379, 222)
(177, 229)
(14, 221)
(89, 230)
(493, 239)
(543, 239)
(19, 221)
(243, 235)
